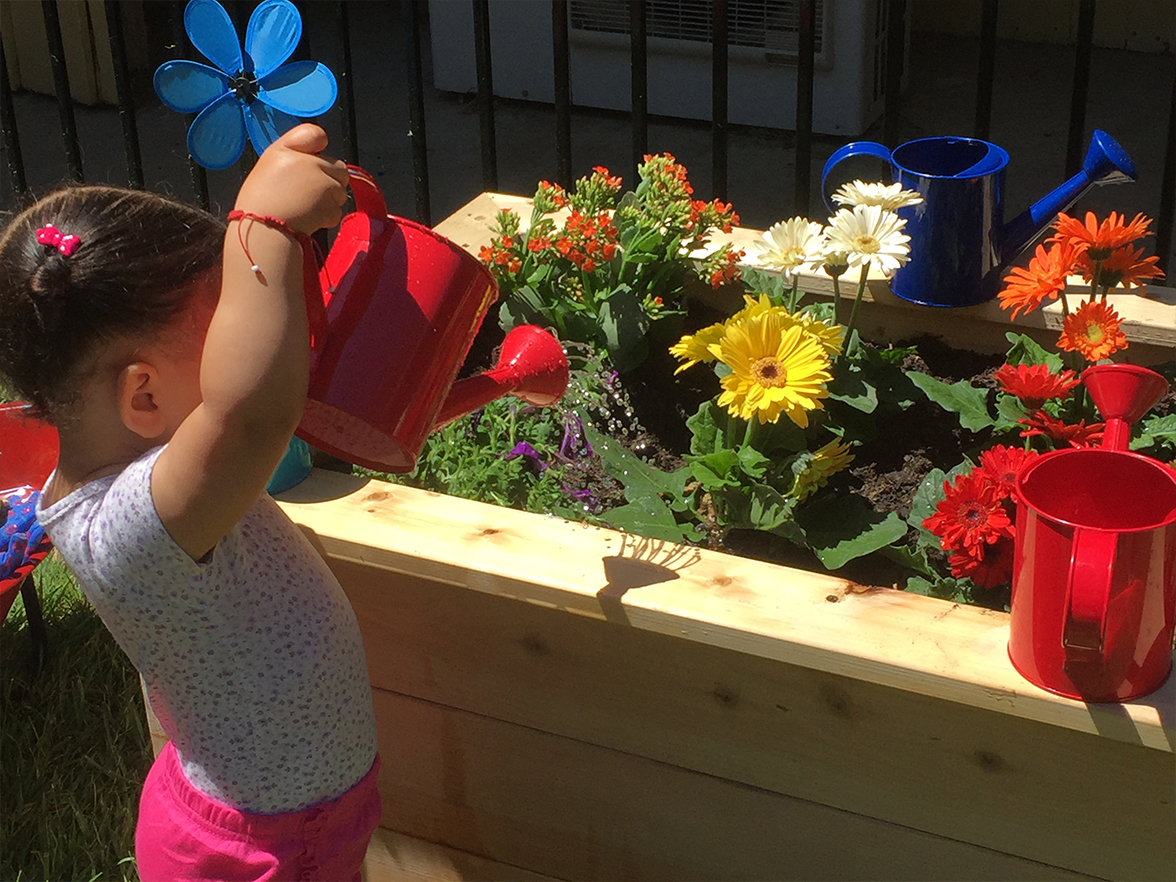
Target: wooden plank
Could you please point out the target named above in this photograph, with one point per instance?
(813, 620)
(967, 774)
(1148, 322)
(564, 808)
(395, 857)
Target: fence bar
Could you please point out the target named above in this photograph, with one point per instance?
(719, 93)
(412, 12)
(1077, 134)
(563, 92)
(895, 46)
(126, 102)
(69, 131)
(1168, 195)
(806, 39)
(196, 173)
(8, 126)
(485, 93)
(639, 83)
(347, 93)
(987, 69)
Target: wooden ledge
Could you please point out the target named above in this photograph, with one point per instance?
(882, 636)
(1148, 321)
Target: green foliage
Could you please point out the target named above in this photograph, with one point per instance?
(74, 746)
(605, 271)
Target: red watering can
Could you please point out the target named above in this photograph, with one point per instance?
(28, 448)
(396, 315)
(1094, 570)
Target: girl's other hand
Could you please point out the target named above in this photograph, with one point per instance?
(294, 182)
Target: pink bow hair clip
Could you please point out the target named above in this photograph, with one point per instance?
(50, 235)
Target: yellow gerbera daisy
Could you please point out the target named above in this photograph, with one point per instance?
(826, 462)
(776, 367)
(697, 347)
(831, 337)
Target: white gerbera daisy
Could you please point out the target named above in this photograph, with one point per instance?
(791, 245)
(870, 233)
(888, 196)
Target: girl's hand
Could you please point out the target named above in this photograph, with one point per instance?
(293, 182)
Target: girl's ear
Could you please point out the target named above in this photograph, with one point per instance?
(138, 386)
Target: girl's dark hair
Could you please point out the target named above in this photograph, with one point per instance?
(131, 275)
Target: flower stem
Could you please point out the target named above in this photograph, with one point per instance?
(857, 302)
(792, 298)
(837, 299)
(749, 434)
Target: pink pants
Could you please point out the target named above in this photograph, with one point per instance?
(183, 834)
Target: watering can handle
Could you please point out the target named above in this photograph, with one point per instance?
(1088, 592)
(368, 197)
(853, 148)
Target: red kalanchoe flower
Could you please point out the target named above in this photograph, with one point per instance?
(1001, 464)
(970, 515)
(1034, 384)
(1076, 435)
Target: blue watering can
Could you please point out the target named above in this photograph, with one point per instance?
(960, 245)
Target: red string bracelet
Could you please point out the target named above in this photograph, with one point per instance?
(273, 222)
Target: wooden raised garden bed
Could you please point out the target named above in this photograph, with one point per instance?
(559, 701)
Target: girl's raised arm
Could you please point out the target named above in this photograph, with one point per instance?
(255, 364)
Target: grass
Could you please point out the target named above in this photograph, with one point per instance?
(74, 745)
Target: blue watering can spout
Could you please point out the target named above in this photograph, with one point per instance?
(1106, 163)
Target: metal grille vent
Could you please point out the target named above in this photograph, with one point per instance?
(772, 25)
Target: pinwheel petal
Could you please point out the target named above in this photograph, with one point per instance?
(216, 138)
(266, 124)
(303, 88)
(189, 86)
(274, 29)
(212, 33)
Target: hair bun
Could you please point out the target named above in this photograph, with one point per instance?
(48, 285)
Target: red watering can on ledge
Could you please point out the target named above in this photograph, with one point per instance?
(1094, 570)
(397, 313)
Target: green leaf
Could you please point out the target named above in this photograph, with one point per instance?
(752, 462)
(623, 321)
(850, 387)
(1157, 431)
(637, 476)
(760, 282)
(1009, 409)
(915, 559)
(716, 470)
(768, 509)
(650, 517)
(706, 429)
(1026, 350)
(842, 527)
(944, 587)
(962, 398)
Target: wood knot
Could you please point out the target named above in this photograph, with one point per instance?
(725, 695)
(837, 701)
(989, 761)
(377, 496)
(721, 581)
(535, 645)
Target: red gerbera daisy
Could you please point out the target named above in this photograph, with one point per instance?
(1092, 330)
(970, 515)
(1026, 288)
(1076, 435)
(1099, 240)
(1034, 384)
(993, 567)
(1001, 464)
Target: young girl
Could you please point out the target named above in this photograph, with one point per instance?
(172, 354)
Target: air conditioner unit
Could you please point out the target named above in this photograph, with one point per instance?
(850, 63)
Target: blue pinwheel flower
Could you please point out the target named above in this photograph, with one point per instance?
(252, 94)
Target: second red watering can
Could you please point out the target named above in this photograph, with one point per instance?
(397, 313)
(1094, 570)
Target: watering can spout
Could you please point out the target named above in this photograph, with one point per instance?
(1106, 162)
(532, 366)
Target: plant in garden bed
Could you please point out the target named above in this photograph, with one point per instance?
(1040, 404)
(600, 268)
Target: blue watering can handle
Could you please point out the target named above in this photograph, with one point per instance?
(854, 148)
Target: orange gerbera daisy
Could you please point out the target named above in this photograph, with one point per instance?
(1034, 384)
(1026, 288)
(1092, 330)
(1099, 240)
(1122, 267)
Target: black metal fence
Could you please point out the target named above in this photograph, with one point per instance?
(412, 15)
